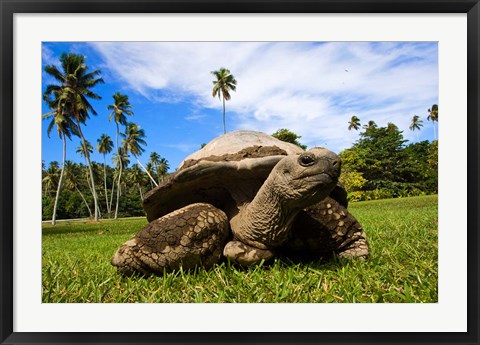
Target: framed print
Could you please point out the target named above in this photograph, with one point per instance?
(228, 123)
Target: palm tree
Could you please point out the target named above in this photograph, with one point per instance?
(137, 177)
(105, 145)
(416, 124)
(354, 123)
(73, 171)
(73, 93)
(119, 159)
(154, 160)
(85, 149)
(164, 166)
(65, 129)
(161, 165)
(120, 108)
(433, 116)
(133, 141)
(222, 85)
(150, 168)
(50, 180)
(370, 124)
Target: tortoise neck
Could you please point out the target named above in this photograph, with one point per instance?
(265, 221)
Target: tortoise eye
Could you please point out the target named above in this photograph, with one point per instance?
(306, 160)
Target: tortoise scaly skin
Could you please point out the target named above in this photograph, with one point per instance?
(324, 230)
(191, 236)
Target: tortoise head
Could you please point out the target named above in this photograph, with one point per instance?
(305, 179)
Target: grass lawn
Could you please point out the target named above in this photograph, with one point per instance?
(403, 266)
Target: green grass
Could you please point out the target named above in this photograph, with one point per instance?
(403, 266)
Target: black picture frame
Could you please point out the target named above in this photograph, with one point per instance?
(10, 7)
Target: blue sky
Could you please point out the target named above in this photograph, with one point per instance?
(311, 88)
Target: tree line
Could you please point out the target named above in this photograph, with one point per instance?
(70, 108)
(76, 198)
(382, 164)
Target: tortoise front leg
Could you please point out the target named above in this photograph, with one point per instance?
(324, 229)
(191, 236)
(244, 254)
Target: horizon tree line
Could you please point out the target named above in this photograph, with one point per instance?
(415, 124)
(70, 109)
(76, 200)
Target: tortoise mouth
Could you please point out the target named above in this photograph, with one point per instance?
(322, 178)
(317, 187)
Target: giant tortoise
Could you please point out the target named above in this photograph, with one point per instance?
(248, 196)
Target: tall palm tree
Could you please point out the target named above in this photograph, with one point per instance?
(85, 150)
(73, 93)
(73, 171)
(150, 168)
(222, 85)
(65, 129)
(163, 167)
(416, 124)
(354, 123)
(154, 160)
(105, 145)
(137, 177)
(133, 141)
(433, 116)
(120, 108)
(50, 180)
(118, 159)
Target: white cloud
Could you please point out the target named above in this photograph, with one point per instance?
(195, 117)
(311, 89)
(49, 57)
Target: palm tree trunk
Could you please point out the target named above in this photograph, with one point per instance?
(151, 178)
(94, 193)
(105, 181)
(89, 182)
(140, 190)
(60, 181)
(85, 201)
(158, 175)
(111, 194)
(119, 175)
(224, 127)
(118, 189)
